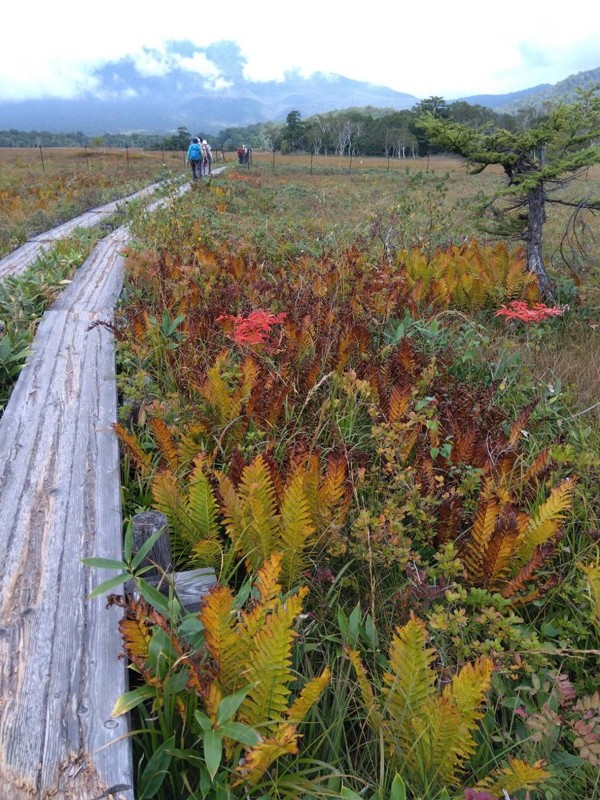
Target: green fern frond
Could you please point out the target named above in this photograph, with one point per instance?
(168, 499)
(201, 504)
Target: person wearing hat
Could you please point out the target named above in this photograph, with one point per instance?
(194, 157)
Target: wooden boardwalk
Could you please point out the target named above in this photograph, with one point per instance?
(59, 502)
(60, 671)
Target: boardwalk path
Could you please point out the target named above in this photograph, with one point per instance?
(59, 502)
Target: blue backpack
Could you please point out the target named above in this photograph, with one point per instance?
(194, 152)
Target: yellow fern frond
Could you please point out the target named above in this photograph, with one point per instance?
(251, 520)
(546, 522)
(258, 759)
(267, 580)
(188, 446)
(466, 694)
(516, 776)
(136, 633)
(436, 742)
(168, 499)
(332, 492)
(212, 698)
(592, 576)
(469, 689)
(269, 589)
(308, 697)
(297, 530)
(217, 391)
(374, 713)
(410, 681)
(269, 665)
(207, 553)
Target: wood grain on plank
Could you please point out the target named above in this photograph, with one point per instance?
(59, 502)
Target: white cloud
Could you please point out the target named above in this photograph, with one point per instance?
(449, 49)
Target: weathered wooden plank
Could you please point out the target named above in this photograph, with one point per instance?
(59, 501)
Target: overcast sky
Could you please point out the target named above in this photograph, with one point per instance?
(431, 47)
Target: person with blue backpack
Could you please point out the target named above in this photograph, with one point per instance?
(194, 157)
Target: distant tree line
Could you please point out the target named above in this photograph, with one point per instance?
(15, 138)
(365, 131)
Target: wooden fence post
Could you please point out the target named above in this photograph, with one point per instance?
(190, 586)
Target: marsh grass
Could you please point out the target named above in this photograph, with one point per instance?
(281, 241)
(35, 198)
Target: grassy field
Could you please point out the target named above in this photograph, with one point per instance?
(397, 489)
(42, 189)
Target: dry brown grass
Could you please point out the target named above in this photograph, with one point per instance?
(41, 189)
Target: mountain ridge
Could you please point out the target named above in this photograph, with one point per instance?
(205, 89)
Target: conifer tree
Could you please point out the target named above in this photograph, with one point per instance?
(537, 163)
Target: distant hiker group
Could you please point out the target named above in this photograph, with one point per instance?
(244, 153)
(199, 157)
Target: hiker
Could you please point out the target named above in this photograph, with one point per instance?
(247, 155)
(194, 157)
(241, 153)
(206, 158)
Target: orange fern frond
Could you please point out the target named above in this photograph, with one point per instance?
(165, 442)
(308, 697)
(258, 759)
(222, 640)
(139, 456)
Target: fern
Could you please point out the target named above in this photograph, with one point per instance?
(257, 760)
(165, 443)
(429, 735)
(141, 458)
(297, 530)
(546, 522)
(270, 665)
(250, 513)
(515, 776)
(254, 648)
(222, 640)
(409, 682)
